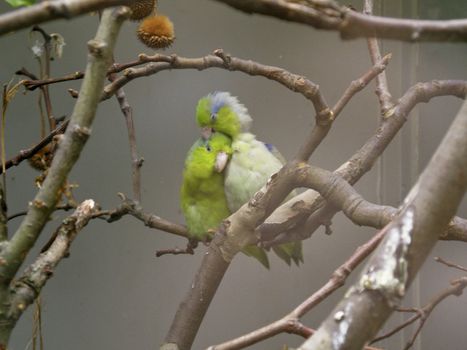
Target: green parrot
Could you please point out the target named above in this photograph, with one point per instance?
(252, 161)
(202, 195)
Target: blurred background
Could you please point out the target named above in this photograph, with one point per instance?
(112, 292)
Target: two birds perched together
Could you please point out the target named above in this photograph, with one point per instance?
(224, 169)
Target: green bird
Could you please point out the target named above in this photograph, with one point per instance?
(202, 194)
(252, 161)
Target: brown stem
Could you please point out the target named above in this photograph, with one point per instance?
(382, 90)
(28, 153)
(336, 281)
(324, 121)
(410, 238)
(330, 15)
(136, 161)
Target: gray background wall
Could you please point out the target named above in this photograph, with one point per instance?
(112, 292)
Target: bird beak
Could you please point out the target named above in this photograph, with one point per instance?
(221, 161)
(206, 132)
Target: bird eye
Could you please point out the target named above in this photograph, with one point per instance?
(213, 116)
(208, 148)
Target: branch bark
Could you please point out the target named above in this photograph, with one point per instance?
(50, 10)
(27, 288)
(329, 15)
(13, 252)
(427, 210)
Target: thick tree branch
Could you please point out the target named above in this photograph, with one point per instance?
(290, 217)
(27, 287)
(78, 131)
(336, 281)
(427, 210)
(330, 15)
(50, 10)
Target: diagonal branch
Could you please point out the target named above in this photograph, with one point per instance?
(293, 219)
(382, 90)
(336, 281)
(78, 131)
(28, 153)
(329, 15)
(28, 287)
(50, 10)
(427, 210)
(455, 289)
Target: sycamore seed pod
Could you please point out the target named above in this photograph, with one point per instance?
(142, 9)
(156, 32)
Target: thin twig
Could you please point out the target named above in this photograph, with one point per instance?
(153, 221)
(336, 281)
(45, 73)
(28, 153)
(324, 122)
(456, 289)
(136, 161)
(65, 207)
(382, 90)
(189, 249)
(450, 264)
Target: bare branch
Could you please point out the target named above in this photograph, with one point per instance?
(69, 148)
(136, 161)
(28, 153)
(28, 287)
(150, 220)
(289, 218)
(456, 289)
(410, 238)
(382, 90)
(330, 15)
(222, 60)
(336, 281)
(50, 10)
(450, 264)
(324, 122)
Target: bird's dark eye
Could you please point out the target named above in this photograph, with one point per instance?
(208, 148)
(213, 116)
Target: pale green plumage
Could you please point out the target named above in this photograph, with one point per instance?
(202, 195)
(252, 162)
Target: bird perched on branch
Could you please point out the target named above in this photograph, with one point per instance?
(202, 195)
(252, 161)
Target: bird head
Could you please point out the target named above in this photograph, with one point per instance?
(222, 112)
(209, 156)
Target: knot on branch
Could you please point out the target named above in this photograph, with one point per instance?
(58, 8)
(325, 117)
(80, 132)
(96, 47)
(226, 58)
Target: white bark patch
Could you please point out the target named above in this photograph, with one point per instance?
(389, 273)
(343, 319)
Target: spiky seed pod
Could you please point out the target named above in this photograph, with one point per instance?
(156, 32)
(142, 9)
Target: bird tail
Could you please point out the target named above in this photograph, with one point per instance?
(257, 253)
